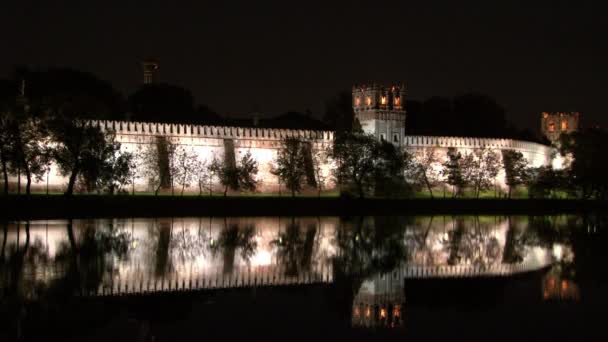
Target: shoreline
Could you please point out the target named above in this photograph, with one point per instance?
(96, 206)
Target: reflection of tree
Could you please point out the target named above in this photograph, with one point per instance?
(472, 243)
(294, 248)
(366, 249)
(188, 246)
(162, 264)
(232, 238)
(91, 259)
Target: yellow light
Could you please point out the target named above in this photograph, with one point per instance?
(383, 313)
(368, 100)
(564, 125)
(397, 100)
(383, 100)
(357, 101)
(368, 312)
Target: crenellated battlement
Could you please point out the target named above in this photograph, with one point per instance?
(203, 131)
(471, 142)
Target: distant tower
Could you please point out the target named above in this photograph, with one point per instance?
(150, 68)
(380, 111)
(552, 125)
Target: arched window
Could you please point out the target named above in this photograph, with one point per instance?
(397, 101)
(357, 101)
(368, 100)
(396, 138)
(564, 125)
(383, 100)
(551, 127)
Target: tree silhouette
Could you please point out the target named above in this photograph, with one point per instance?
(291, 164)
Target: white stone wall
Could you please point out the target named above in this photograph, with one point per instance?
(263, 143)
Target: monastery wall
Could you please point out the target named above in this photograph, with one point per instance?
(263, 143)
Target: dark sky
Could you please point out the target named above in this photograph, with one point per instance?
(292, 55)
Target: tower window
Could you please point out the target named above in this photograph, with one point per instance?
(396, 138)
(368, 100)
(551, 127)
(564, 125)
(383, 100)
(397, 100)
(382, 137)
(357, 101)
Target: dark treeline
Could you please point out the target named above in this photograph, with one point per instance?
(472, 114)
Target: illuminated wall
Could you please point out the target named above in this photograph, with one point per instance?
(263, 143)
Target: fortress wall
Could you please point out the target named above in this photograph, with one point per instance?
(263, 143)
(536, 154)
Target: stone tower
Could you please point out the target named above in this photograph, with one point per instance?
(552, 125)
(380, 111)
(150, 68)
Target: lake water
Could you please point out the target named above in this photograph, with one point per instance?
(421, 277)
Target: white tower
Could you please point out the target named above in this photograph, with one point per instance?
(380, 111)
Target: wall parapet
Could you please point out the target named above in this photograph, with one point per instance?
(204, 131)
(472, 142)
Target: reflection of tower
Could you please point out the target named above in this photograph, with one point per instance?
(552, 125)
(380, 111)
(150, 68)
(379, 302)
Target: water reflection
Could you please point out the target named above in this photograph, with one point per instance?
(368, 259)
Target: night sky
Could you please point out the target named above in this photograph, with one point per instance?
(279, 56)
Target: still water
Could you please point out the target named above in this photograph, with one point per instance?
(357, 277)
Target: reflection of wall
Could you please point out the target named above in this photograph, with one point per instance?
(191, 249)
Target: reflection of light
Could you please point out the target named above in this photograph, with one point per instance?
(383, 313)
(368, 312)
(557, 252)
(261, 258)
(397, 311)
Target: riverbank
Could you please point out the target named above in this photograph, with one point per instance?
(83, 206)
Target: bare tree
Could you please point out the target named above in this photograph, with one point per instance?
(423, 169)
(183, 167)
(488, 164)
(203, 176)
(320, 158)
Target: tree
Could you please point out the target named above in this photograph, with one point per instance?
(27, 151)
(339, 113)
(5, 148)
(247, 171)
(80, 149)
(236, 177)
(319, 159)
(488, 166)
(515, 166)
(389, 170)
(355, 155)
(154, 163)
(423, 170)
(452, 171)
(589, 165)
(184, 167)
(291, 164)
(545, 182)
(118, 170)
(202, 175)
(152, 102)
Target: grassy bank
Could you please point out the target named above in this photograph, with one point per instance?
(40, 206)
